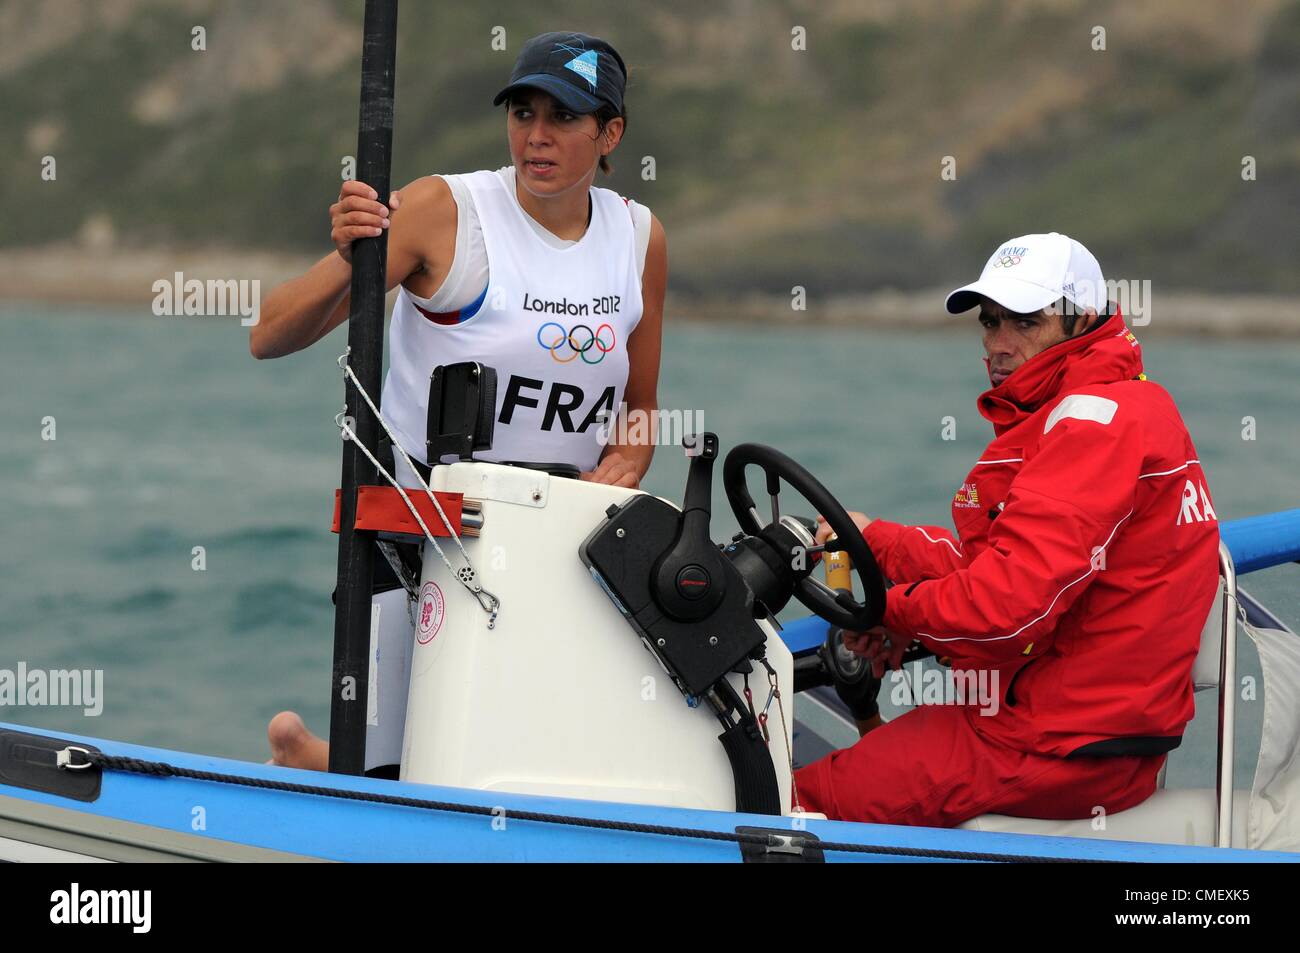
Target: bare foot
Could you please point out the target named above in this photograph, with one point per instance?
(293, 746)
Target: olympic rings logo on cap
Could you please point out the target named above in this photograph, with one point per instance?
(576, 343)
(1006, 261)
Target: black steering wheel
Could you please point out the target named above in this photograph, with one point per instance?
(838, 608)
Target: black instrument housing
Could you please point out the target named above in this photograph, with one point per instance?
(696, 654)
(462, 410)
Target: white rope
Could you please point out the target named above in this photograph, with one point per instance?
(466, 575)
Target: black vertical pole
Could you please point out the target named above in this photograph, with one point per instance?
(366, 354)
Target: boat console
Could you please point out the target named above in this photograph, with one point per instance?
(626, 638)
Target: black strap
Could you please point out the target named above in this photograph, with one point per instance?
(30, 762)
(1135, 746)
(751, 768)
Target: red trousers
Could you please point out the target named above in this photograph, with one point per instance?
(930, 768)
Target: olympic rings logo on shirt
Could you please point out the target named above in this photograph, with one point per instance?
(579, 341)
(1006, 261)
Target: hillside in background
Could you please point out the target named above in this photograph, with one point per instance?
(774, 167)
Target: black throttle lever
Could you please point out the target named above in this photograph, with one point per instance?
(690, 577)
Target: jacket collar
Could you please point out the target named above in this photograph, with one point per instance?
(1104, 355)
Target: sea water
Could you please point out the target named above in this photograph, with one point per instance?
(167, 499)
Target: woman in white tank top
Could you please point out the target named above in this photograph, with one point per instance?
(530, 269)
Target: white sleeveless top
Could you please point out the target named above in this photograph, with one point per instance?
(467, 275)
(554, 322)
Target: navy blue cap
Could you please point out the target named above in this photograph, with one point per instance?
(581, 71)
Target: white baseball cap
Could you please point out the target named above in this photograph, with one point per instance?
(1031, 272)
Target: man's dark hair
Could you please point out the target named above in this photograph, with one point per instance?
(1070, 314)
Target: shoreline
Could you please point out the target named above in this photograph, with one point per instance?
(72, 274)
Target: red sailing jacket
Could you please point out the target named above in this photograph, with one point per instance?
(1086, 556)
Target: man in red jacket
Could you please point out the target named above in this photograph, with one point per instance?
(1083, 569)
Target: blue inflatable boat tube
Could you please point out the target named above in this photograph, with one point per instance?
(310, 826)
(1258, 542)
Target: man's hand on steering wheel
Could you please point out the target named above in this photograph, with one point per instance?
(824, 531)
(879, 646)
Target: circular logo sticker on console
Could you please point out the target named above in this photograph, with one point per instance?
(429, 620)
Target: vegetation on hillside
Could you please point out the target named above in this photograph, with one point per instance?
(773, 166)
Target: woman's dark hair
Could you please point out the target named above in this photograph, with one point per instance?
(603, 116)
